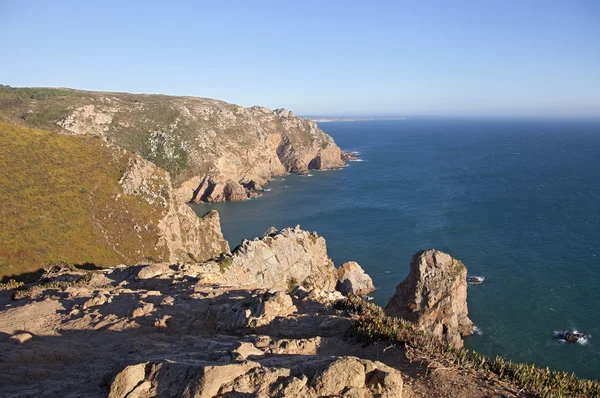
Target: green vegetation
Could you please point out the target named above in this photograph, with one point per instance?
(61, 199)
(165, 130)
(292, 283)
(11, 284)
(225, 263)
(313, 238)
(371, 324)
(33, 290)
(35, 93)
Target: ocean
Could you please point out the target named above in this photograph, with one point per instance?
(516, 200)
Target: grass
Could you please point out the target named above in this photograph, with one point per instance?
(33, 290)
(225, 263)
(61, 199)
(371, 324)
(292, 283)
(157, 127)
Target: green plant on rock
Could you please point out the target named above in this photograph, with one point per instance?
(11, 284)
(292, 283)
(225, 263)
(30, 291)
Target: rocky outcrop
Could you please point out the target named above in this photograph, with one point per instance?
(213, 150)
(434, 296)
(257, 311)
(307, 377)
(182, 232)
(281, 260)
(352, 279)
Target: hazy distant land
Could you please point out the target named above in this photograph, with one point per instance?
(324, 119)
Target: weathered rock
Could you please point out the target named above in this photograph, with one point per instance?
(21, 338)
(257, 311)
(180, 229)
(341, 374)
(434, 296)
(154, 270)
(146, 309)
(352, 279)
(126, 382)
(194, 138)
(280, 261)
(309, 377)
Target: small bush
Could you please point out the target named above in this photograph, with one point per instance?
(31, 291)
(11, 285)
(225, 263)
(292, 283)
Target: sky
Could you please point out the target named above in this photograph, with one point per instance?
(392, 58)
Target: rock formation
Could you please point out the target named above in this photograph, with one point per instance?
(434, 296)
(166, 330)
(181, 230)
(308, 377)
(281, 260)
(352, 279)
(213, 150)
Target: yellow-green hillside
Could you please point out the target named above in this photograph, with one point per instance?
(60, 200)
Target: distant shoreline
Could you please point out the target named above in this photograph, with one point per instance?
(327, 119)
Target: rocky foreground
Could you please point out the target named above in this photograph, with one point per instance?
(259, 322)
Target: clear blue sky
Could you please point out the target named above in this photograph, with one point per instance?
(323, 57)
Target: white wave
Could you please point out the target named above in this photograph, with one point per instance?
(268, 190)
(357, 160)
(475, 280)
(477, 330)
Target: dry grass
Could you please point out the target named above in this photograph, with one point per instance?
(61, 200)
(371, 324)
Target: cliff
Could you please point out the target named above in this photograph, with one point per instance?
(214, 151)
(434, 297)
(79, 200)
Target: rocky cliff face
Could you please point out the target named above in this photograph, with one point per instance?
(186, 236)
(281, 260)
(166, 330)
(214, 151)
(434, 296)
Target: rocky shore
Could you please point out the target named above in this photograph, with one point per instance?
(259, 321)
(213, 150)
(184, 315)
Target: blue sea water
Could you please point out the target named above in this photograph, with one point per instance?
(516, 200)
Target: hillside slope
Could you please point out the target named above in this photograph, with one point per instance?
(214, 150)
(76, 199)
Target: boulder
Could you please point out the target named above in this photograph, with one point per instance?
(281, 260)
(352, 279)
(234, 191)
(310, 377)
(434, 296)
(257, 311)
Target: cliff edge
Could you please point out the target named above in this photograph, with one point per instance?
(213, 150)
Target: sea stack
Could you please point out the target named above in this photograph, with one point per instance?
(434, 296)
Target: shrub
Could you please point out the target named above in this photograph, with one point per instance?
(292, 283)
(225, 263)
(371, 324)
